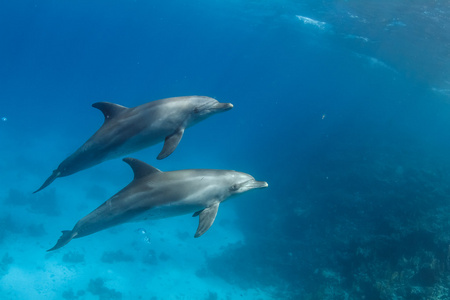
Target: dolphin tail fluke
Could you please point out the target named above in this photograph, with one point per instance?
(49, 180)
(66, 237)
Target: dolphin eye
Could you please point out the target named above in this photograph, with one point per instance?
(234, 187)
(196, 110)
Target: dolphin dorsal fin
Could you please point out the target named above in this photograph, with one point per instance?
(140, 168)
(109, 110)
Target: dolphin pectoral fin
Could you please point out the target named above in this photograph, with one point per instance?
(197, 213)
(207, 217)
(49, 180)
(170, 144)
(66, 237)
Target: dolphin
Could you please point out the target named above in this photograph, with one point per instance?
(156, 195)
(127, 130)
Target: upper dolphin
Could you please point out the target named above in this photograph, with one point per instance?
(127, 130)
(154, 195)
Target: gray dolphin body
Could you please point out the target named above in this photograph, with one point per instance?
(155, 195)
(127, 130)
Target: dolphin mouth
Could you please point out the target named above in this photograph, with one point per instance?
(254, 184)
(260, 184)
(223, 106)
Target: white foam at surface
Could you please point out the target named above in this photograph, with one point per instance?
(309, 21)
(375, 62)
(442, 91)
(357, 37)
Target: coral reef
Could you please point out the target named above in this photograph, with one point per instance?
(7, 225)
(17, 197)
(164, 256)
(45, 203)
(369, 224)
(73, 257)
(150, 258)
(212, 296)
(115, 256)
(4, 264)
(97, 287)
(70, 294)
(36, 230)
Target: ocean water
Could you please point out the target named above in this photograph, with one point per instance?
(341, 106)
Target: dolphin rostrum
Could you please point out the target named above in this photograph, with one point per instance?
(127, 130)
(155, 195)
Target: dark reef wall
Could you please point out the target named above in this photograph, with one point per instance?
(368, 220)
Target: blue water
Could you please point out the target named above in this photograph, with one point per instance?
(341, 106)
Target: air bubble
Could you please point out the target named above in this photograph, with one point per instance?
(144, 235)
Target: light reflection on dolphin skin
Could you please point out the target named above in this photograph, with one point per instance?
(156, 195)
(127, 130)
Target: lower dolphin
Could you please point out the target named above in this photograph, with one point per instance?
(127, 130)
(155, 195)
